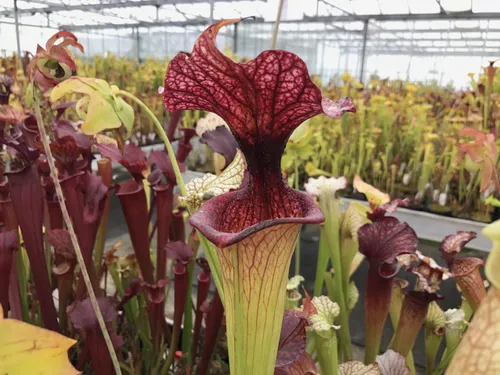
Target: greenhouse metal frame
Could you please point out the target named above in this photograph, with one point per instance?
(357, 30)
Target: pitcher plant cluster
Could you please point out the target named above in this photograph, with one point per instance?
(88, 307)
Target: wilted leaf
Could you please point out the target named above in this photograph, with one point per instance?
(292, 356)
(100, 115)
(11, 115)
(392, 363)
(428, 278)
(178, 250)
(358, 368)
(79, 85)
(374, 196)
(103, 110)
(221, 141)
(210, 185)
(27, 349)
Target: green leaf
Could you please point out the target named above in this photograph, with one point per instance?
(492, 201)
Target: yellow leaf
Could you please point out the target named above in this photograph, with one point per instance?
(374, 196)
(126, 114)
(100, 108)
(27, 349)
(80, 85)
(82, 107)
(492, 268)
(100, 116)
(211, 185)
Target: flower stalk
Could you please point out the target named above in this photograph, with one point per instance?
(330, 206)
(322, 264)
(187, 334)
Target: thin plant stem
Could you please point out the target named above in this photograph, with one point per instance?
(21, 274)
(297, 246)
(323, 258)
(326, 350)
(445, 360)
(71, 230)
(213, 262)
(172, 349)
(187, 333)
(331, 209)
(237, 367)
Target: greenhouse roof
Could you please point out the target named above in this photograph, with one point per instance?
(425, 27)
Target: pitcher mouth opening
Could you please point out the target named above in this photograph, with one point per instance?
(208, 219)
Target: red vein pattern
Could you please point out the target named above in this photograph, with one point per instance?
(263, 260)
(479, 350)
(254, 228)
(268, 96)
(262, 101)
